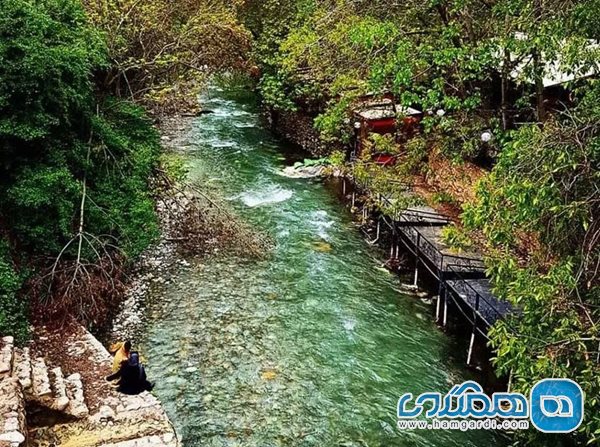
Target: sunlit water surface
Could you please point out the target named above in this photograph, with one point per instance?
(310, 347)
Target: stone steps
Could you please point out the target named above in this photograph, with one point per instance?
(40, 380)
(39, 384)
(77, 406)
(59, 400)
(22, 368)
(51, 389)
(12, 413)
(7, 353)
(24, 379)
(115, 419)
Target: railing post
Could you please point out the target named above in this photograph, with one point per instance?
(441, 296)
(445, 320)
(471, 344)
(417, 259)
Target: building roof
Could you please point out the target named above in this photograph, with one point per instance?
(556, 71)
(383, 109)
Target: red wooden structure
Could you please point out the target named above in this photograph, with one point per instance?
(383, 116)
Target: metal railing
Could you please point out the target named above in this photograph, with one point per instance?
(437, 262)
(412, 216)
(488, 308)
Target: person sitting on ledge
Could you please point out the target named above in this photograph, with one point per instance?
(121, 352)
(132, 376)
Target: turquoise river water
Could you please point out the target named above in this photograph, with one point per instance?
(309, 347)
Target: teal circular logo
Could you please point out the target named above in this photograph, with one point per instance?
(556, 405)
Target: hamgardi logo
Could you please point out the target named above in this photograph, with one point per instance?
(554, 406)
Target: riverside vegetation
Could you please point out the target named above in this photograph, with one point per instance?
(79, 152)
(474, 66)
(80, 158)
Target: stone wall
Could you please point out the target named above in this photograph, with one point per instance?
(12, 413)
(13, 425)
(297, 128)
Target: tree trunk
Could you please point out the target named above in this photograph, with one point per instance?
(538, 70)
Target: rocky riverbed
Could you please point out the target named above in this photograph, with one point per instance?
(310, 345)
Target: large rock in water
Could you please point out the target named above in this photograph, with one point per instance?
(302, 171)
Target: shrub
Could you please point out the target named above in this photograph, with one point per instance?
(13, 311)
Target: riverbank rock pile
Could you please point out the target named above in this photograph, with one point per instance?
(303, 171)
(40, 405)
(152, 270)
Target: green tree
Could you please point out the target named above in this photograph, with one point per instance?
(539, 211)
(75, 164)
(162, 51)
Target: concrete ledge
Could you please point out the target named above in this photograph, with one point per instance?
(115, 419)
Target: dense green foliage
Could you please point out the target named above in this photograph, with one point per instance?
(473, 60)
(13, 312)
(76, 158)
(47, 53)
(74, 167)
(161, 51)
(76, 155)
(474, 66)
(539, 210)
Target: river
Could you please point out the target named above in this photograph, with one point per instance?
(309, 347)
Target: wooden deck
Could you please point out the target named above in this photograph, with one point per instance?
(461, 276)
(477, 296)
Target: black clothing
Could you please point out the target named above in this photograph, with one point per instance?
(132, 376)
